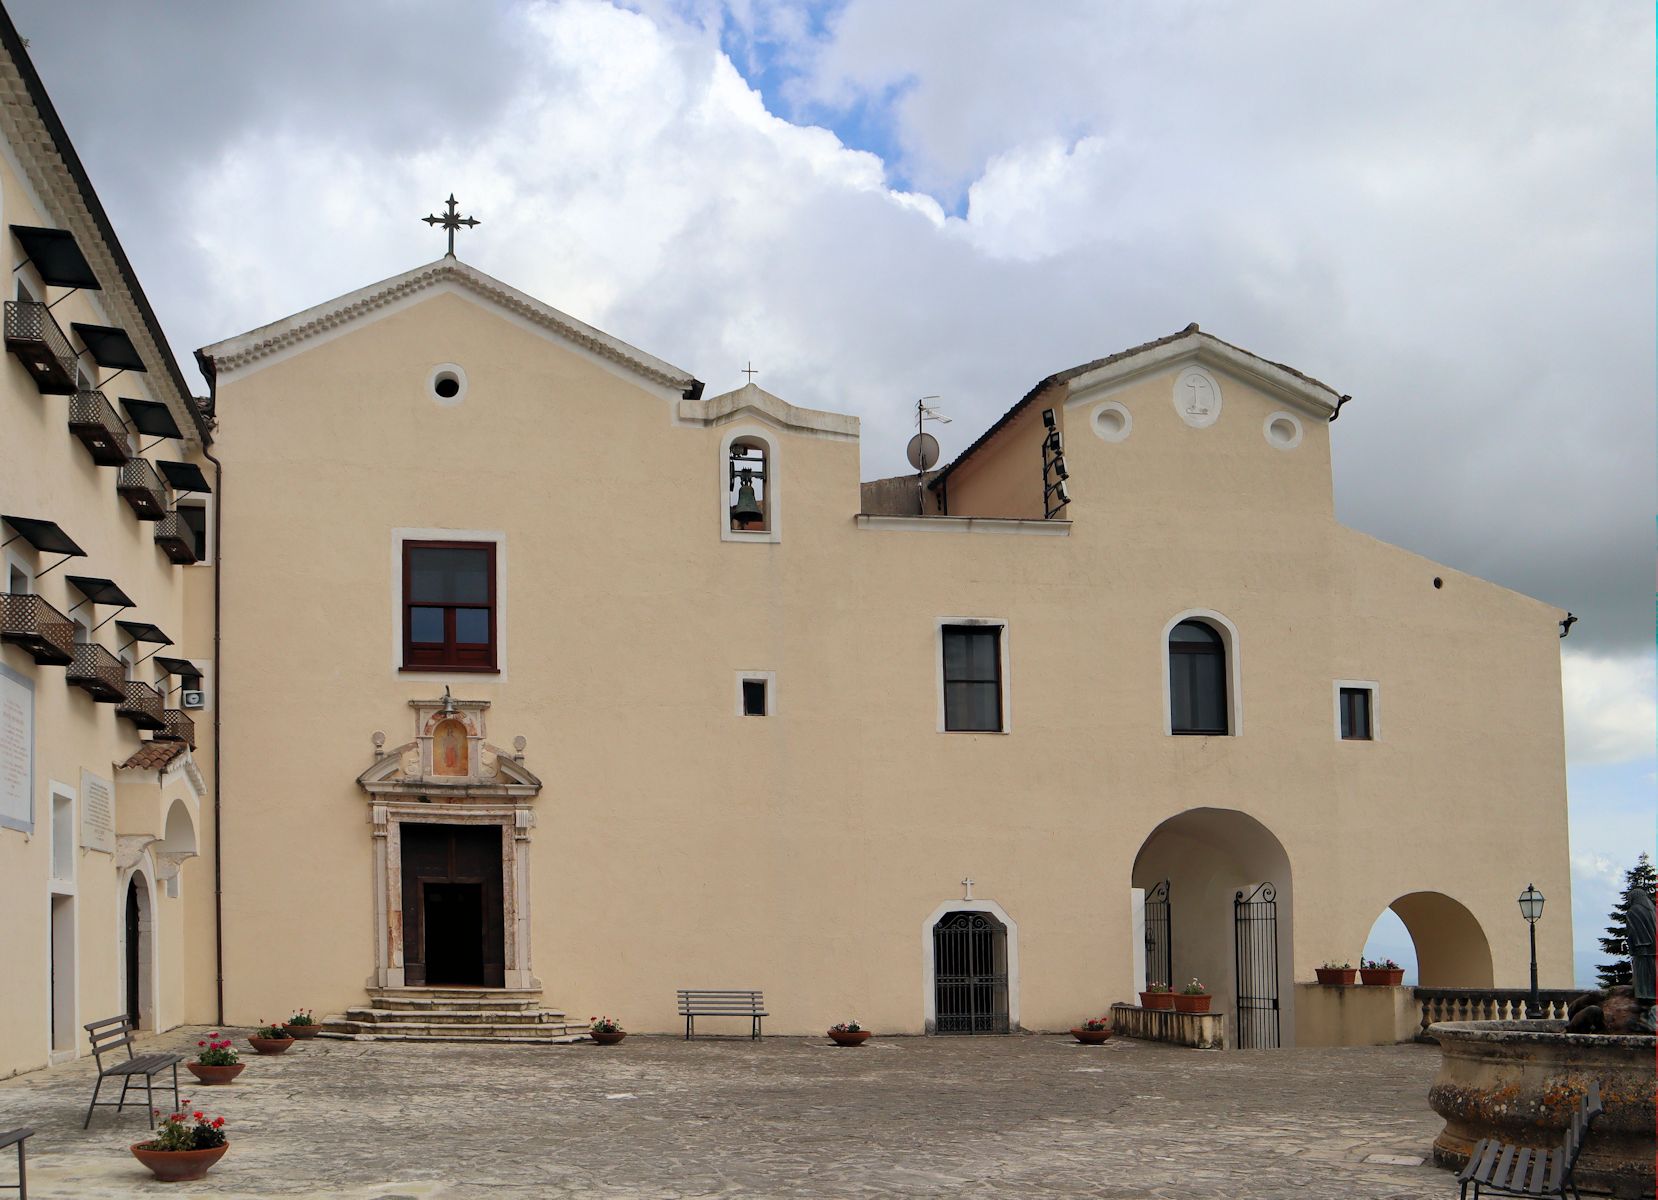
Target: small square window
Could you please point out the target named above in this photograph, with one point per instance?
(1355, 714)
(754, 697)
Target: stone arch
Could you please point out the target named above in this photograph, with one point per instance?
(1208, 856)
(1451, 947)
(179, 836)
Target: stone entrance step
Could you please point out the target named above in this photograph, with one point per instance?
(453, 1014)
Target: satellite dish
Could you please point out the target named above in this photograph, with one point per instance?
(922, 452)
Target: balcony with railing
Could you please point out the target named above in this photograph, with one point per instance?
(142, 488)
(179, 728)
(93, 419)
(176, 539)
(98, 672)
(142, 705)
(28, 621)
(33, 335)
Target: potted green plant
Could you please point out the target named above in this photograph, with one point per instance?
(1093, 1031)
(1337, 974)
(1193, 998)
(1157, 995)
(605, 1031)
(216, 1061)
(1383, 973)
(270, 1039)
(184, 1147)
(848, 1033)
(302, 1024)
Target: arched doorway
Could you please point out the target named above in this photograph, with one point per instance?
(970, 974)
(1224, 886)
(1449, 945)
(138, 950)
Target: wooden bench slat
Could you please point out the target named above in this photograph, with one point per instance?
(12, 1136)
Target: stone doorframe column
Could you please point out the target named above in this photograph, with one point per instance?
(515, 823)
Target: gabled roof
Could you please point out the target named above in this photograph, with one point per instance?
(327, 317)
(49, 158)
(751, 399)
(152, 756)
(1323, 399)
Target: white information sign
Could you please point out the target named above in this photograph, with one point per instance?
(17, 752)
(97, 813)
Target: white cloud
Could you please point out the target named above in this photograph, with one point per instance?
(1611, 714)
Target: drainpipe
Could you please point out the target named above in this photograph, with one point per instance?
(218, 692)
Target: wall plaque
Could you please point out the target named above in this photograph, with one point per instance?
(17, 751)
(97, 813)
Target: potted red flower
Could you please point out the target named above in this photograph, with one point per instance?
(184, 1147)
(270, 1039)
(605, 1031)
(848, 1033)
(301, 1025)
(1337, 974)
(1093, 1031)
(1157, 995)
(1385, 973)
(1193, 998)
(216, 1061)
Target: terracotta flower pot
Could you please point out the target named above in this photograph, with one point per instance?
(1337, 976)
(178, 1166)
(1192, 1004)
(1163, 1000)
(843, 1037)
(1091, 1037)
(209, 1073)
(302, 1031)
(1374, 977)
(270, 1045)
(607, 1039)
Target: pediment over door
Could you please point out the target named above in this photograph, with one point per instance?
(449, 758)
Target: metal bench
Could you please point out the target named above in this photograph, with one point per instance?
(694, 1003)
(110, 1035)
(16, 1137)
(1500, 1169)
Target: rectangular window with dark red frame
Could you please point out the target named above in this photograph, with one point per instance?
(449, 605)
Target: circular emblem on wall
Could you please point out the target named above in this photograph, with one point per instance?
(1197, 397)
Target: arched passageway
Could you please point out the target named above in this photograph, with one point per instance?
(1220, 924)
(138, 951)
(1450, 946)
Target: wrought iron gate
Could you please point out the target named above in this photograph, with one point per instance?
(970, 974)
(1159, 940)
(1255, 957)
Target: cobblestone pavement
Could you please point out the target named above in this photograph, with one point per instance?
(968, 1117)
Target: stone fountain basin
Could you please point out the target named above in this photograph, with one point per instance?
(1520, 1081)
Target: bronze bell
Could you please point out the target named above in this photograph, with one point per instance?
(747, 510)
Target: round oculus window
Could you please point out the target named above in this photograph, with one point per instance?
(447, 384)
(1283, 431)
(1112, 422)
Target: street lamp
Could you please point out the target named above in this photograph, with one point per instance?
(1531, 908)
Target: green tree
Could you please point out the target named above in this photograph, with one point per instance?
(1616, 941)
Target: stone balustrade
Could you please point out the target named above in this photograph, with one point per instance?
(1205, 1031)
(1488, 1004)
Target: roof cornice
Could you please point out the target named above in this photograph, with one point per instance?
(753, 400)
(245, 350)
(48, 157)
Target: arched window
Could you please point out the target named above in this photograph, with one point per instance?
(1197, 679)
(749, 486)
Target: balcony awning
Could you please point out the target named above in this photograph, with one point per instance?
(109, 347)
(100, 591)
(143, 631)
(184, 477)
(182, 667)
(57, 256)
(151, 418)
(45, 536)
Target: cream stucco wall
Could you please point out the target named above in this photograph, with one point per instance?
(48, 474)
(680, 845)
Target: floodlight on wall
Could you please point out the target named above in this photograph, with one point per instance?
(1047, 418)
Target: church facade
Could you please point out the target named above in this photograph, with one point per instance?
(544, 671)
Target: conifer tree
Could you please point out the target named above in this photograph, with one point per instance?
(1616, 941)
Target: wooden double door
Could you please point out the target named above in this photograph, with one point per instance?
(453, 908)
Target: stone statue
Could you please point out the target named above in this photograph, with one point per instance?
(1626, 1008)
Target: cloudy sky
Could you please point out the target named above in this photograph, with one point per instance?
(1444, 210)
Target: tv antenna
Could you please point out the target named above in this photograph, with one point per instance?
(923, 448)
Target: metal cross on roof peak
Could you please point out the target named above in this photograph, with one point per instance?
(750, 371)
(451, 221)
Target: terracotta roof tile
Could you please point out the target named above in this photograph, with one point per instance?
(152, 756)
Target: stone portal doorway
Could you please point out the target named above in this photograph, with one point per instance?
(454, 915)
(970, 974)
(134, 940)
